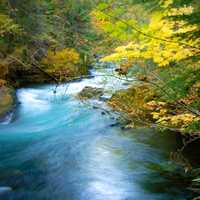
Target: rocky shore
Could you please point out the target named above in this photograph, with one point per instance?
(7, 101)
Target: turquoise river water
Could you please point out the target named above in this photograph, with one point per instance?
(58, 148)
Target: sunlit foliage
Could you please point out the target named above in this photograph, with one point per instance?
(161, 53)
(36, 26)
(157, 42)
(63, 63)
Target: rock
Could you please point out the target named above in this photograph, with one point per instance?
(103, 98)
(126, 84)
(114, 124)
(103, 113)
(95, 107)
(90, 93)
(7, 100)
(5, 189)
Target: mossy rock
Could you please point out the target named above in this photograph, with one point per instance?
(90, 93)
(7, 100)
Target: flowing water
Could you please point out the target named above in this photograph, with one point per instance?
(58, 148)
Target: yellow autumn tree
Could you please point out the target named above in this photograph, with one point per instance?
(63, 63)
(156, 45)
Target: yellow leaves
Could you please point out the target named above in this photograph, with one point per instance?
(160, 113)
(63, 57)
(120, 56)
(185, 29)
(99, 15)
(151, 105)
(129, 51)
(113, 57)
(196, 85)
(155, 115)
(166, 3)
(62, 63)
(179, 120)
(97, 20)
(159, 25)
(163, 111)
(159, 42)
(161, 51)
(185, 10)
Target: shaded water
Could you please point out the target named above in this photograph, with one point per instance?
(59, 149)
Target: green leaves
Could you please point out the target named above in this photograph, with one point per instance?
(8, 26)
(102, 6)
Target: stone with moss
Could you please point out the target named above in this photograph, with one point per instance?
(90, 93)
(7, 100)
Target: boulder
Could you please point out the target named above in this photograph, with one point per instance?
(90, 93)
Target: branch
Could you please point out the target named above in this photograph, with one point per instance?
(146, 34)
(182, 104)
(191, 140)
(195, 112)
(38, 67)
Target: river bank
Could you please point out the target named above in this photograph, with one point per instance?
(8, 101)
(61, 104)
(18, 74)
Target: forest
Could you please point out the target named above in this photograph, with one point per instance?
(152, 48)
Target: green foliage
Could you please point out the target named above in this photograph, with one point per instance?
(193, 127)
(178, 82)
(37, 26)
(161, 53)
(8, 27)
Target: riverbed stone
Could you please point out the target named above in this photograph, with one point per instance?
(90, 93)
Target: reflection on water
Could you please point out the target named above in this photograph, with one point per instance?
(60, 149)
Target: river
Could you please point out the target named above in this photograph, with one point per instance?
(59, 148)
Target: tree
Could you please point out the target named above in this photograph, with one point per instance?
(31, 29)
(160, 51)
